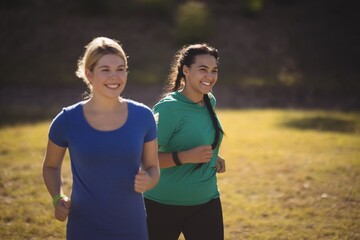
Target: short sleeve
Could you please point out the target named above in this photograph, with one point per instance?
(57, 130)
(165, 123)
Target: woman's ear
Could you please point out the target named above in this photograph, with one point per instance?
(88, 75)
(185, 70)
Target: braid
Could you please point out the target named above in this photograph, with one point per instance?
(215, 124)
(214, 121)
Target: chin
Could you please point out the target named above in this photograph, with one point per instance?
(206, 91)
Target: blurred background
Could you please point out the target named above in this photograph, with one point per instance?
(273, 53)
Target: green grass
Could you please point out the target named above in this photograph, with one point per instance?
(291, 174)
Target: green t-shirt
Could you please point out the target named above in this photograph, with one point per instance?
(182, 125)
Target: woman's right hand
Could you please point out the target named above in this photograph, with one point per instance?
(200, 154)
(62, 209)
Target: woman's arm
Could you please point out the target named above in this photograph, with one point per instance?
(52, 177)
(200, 154)
(149, 174)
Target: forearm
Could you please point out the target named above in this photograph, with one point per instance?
(200, 154)
(52, 168)
(52, 180)
(166, 160)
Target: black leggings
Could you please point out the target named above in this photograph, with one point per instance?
(166, 222)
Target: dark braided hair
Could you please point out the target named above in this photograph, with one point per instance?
(176, 80)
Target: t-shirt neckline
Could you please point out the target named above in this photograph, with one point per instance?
(104, 131)
(181, 97)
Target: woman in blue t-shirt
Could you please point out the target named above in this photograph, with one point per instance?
(112, 142)
(187, 199)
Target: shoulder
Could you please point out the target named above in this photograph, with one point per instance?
(69, 110)
(139, 108)
(73, 108)
(137, 105)
(166, 103)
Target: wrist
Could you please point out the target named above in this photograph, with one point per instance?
(176, 159)
(154, 174)
(57, 198)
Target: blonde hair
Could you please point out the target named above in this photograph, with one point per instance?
(96, 49)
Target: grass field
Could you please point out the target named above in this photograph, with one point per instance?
(291, 174)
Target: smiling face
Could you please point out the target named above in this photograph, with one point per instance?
(200, 76)
(108, 77)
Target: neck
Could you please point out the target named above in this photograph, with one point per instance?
(104, 105)
(195, 97)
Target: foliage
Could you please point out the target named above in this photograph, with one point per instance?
(252, 7)
(193, 23)
(309, 49)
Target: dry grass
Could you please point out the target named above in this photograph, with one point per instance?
(289, 181)
(290, 175)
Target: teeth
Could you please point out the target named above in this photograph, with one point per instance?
(206, 83)
(112, 85)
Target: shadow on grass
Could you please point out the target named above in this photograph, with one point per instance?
(326, 124)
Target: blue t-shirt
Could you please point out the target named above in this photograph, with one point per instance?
(104, 204)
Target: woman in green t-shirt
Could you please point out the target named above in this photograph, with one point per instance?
(187, 199)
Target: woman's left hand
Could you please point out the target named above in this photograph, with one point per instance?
(142, 181)
(220, 165)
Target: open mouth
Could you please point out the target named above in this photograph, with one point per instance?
(206, 83)
(112, 86)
